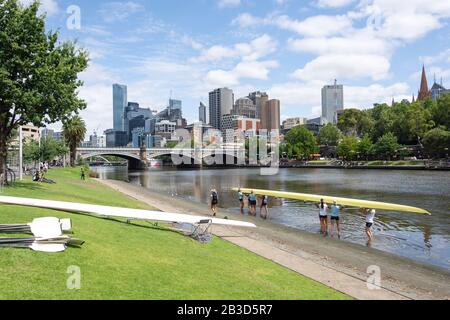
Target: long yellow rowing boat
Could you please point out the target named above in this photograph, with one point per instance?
(341, 201)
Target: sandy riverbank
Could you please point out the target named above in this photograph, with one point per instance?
(340, 265)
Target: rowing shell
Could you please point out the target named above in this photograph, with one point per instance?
(340, 201)
(120, 212)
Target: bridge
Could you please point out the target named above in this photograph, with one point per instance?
(139, 158)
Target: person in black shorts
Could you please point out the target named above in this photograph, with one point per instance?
(214, 201)
(264, 206)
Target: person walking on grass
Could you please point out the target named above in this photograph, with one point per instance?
(82, 174)
(323, 216)
(264, 207)
(335, 219)
(370, 219)
(252, 204)
(214, 201)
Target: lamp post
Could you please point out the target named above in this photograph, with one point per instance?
(20, 154)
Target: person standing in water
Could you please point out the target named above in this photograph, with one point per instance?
(214, 201)
(335, 219)
(241, 200)
(370, 218)
(264, 206)
(252, 203)
(323, 216)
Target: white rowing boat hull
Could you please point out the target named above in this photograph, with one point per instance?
(119, 212)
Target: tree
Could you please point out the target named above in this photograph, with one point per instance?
(386, 146)
(301, 142)
(437, 142)
(354, 122)
(38, 75)
(365, 147)
(347, 149)
(74, 131)
(329, 135)
(383, 120)
(47, 151)
(441, 111)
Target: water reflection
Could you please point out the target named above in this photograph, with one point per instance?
(416, 236)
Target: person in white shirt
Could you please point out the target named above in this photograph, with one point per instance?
(370, 217)
(323, 216)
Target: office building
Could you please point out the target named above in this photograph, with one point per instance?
(332, 101)
(175, 104)
(47, 133)
(116, 138)
(165, 129)
(259, 100)
(271, 115)
(245, 107)
(221, 102)
(235, 127)
(290, 123)
(120, 102)
(202, 113)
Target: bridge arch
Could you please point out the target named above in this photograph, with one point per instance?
(134, 161)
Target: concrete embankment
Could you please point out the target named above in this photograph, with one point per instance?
(341, 265)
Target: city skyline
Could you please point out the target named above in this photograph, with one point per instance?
(289, 49)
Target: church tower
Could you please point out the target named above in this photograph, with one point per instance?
(424, 92)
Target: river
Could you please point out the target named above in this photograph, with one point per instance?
(419, 237)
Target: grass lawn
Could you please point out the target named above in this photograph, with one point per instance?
(121, 261)
(396, 163)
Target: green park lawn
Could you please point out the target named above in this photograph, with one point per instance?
(139, 261)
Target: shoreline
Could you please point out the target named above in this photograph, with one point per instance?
(339, 265)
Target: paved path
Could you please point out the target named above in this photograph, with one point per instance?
(339, 265)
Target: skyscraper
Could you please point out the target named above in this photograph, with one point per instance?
(175, 104)
(271, 115)
(423, 92)
(120, 102)
(202, 113)
(259, 100)
(332, 101)
(221, 102)
(245, 107)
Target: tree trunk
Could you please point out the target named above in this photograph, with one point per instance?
(73, 153)
(3, 157)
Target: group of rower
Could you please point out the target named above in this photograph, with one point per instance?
(329, 215)
(334, 211)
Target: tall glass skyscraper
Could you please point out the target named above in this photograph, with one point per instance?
(221, 103)
(120, 102)
(332, 101)
(175, 104)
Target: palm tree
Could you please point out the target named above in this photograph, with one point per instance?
(74, 131)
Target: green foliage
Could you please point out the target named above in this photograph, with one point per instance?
(38, 74)
(440, 111)
(74, 131)
(365, 147)
(347, 149)
(300, 143)
(46, 152)
(354, 122)
(386, 146)
(330, 135)
(437, 142)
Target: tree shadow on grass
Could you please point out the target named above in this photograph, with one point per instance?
(23, 186)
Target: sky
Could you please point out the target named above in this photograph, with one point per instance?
(288, 48)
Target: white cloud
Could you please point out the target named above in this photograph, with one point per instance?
(344, 66)
(50, 7)
(255, 49)
(333, 3)
(314, 26)
(229, 3)
(119, 11)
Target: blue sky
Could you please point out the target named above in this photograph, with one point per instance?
(289, 48)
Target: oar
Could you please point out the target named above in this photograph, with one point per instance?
(39, 247)
(24, 242)
(41, 228)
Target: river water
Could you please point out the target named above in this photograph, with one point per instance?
(419, 237)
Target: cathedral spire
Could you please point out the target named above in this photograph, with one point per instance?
(413, 99)
(424, 92)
